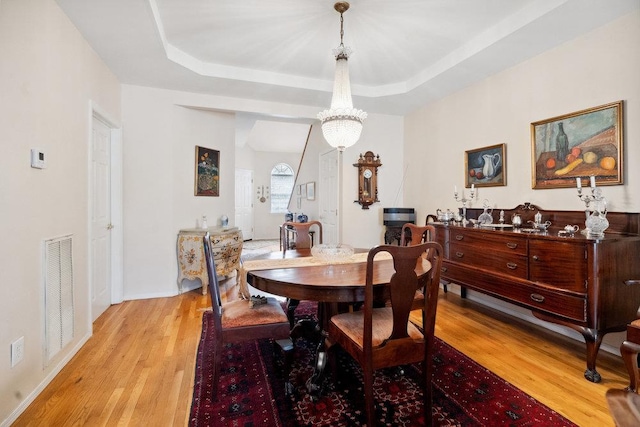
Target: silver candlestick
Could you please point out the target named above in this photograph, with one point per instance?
(596, 198)
(596, 193)
(463, 199)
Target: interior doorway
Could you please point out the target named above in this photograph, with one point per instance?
(244, 202)
(100, 218)
(105, 214)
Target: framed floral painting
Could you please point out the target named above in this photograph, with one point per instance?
(207, 172)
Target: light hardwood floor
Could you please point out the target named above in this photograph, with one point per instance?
(138, 368)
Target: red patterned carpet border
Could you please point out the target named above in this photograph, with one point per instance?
(251, 392)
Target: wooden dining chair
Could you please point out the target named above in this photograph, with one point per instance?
(302, 241)
(630, 349)
(419, 234)
(303, 238)
(384, 337)
(239, 320)
(624, 406)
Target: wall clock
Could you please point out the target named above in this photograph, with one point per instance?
(368, 165)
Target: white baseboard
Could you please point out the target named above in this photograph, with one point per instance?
(45, 382)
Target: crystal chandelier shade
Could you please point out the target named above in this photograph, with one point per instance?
(342, 124)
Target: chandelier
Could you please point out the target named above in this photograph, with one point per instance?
(342, 124)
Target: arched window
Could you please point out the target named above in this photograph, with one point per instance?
(281, 187)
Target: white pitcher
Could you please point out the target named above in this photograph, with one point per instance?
(491, 162)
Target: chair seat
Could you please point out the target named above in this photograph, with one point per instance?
(239, 313)
(352, 325)
(633, 331)
(624, 407)
(418, 301)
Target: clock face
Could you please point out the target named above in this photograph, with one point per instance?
(367, 173)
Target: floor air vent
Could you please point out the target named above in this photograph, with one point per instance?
(58, 295)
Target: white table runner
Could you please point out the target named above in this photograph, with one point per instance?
(269, 264)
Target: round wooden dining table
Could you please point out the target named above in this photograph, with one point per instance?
(329, 285)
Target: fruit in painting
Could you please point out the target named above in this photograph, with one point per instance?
(479, 175)
(472, 172)
(590, 157)
(608, 163)
(571, 166)
(570, 158)
(550, 163)
(576, 151)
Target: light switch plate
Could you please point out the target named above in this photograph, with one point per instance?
(37, 159)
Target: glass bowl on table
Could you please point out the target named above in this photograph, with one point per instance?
(331, 254)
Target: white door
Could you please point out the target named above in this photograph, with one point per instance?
(100, 219)
(244, 202)
(328, 195)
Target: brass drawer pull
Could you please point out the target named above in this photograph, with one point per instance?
(537, 297)
(535, 258)
(459, 236)
(512, 245)
(459, 254)
(512, 265)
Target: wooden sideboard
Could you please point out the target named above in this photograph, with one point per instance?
(227, 248)
(586, 284)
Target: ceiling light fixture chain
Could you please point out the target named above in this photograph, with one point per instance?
(342, 25)
(342, 124)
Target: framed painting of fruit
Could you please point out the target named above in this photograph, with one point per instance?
(486, 166)
(578, 146)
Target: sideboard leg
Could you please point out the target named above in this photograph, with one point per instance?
(593, 339)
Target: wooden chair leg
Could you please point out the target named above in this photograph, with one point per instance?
(285, 350)
(292, 304)
(217, 361)
(369, 398)
(428, 394)
(630, 351)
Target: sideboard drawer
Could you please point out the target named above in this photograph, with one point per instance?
(489, 242)
(559, 264)
(515, 290)
(569, 306)
(509, 264)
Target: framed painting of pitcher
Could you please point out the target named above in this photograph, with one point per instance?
(486, 166)
(577, 146)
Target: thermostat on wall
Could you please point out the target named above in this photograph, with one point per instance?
(37, 159)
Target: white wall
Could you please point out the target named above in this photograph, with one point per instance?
(308, 172)
(49, 76)
(383, 135)
(160, 135)
(596, 69)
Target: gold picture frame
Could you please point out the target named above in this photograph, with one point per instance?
(579, 145)
(486, 166)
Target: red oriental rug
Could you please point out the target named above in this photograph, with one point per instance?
(251, 391)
